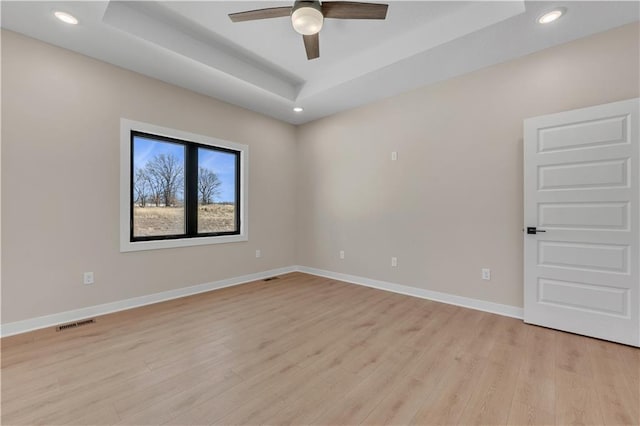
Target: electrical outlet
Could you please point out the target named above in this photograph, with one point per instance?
(258, 254)
(394, 156)
(394, 261)
(341, 254)
(88, 278)
(486, 274)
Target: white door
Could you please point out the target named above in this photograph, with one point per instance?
(582, 189)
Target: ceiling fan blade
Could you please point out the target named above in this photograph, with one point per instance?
(251, 15)
(354, 10)
(312, 45)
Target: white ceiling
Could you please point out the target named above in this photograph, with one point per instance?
(262, 66)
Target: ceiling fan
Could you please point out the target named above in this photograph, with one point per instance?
(307, 17)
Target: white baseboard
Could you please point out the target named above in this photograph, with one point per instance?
(18, 327)
(451, 299)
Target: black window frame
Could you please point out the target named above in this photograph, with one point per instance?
(190, 188)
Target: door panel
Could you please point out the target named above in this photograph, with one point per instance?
(582, 188)
(596, 298)
(585, 257)
(588, 134)
(587, 216)
(596, 174)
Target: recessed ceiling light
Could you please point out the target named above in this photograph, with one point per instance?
(66, 17)
(551, 16)
(298, 109)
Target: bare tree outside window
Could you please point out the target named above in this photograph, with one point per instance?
(208, 186)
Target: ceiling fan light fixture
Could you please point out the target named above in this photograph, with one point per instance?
(307, 18)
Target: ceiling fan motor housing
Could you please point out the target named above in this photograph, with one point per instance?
(306, 17)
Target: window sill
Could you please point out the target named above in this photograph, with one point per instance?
(127, 246)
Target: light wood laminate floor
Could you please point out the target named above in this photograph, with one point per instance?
(309, 350)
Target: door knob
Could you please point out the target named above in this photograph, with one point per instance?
(534, 230)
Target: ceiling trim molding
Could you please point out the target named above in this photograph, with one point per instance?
(146, 21)
(466, 20)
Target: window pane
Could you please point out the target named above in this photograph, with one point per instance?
(217, 202)
(158, 188)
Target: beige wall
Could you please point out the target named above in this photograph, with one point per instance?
(60, 180)
(452, 203)
(449, 206)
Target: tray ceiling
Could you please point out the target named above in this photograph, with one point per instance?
(261, 65)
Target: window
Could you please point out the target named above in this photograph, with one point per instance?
(180, 189)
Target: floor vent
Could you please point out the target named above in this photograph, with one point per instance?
(271, 279)
(75, 324)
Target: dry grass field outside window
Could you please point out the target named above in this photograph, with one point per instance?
(149, 221)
